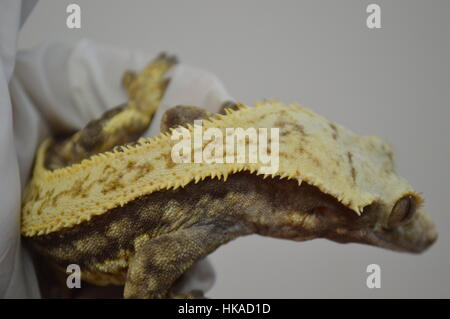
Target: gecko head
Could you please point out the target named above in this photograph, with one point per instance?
(402, 226)
(397, 222)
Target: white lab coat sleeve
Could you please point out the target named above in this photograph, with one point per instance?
(59, 87)
(17, 278)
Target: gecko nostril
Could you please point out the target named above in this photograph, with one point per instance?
(432, 237)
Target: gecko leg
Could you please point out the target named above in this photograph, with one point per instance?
(159, 261)
(120, 125)
(146, 89)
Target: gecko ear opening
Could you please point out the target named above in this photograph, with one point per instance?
(403, 211)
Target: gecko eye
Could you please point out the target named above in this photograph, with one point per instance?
(403, 210)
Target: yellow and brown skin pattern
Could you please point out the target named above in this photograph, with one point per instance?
(122, 124)
(147, 244)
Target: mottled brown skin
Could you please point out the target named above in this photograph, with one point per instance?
(90, 141)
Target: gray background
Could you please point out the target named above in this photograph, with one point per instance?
(392, 82)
